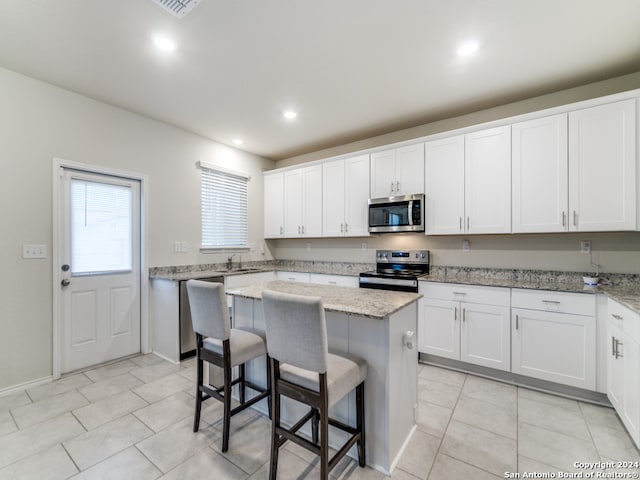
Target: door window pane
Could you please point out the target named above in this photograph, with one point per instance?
(101, 218)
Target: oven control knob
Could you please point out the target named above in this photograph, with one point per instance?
(422, 255)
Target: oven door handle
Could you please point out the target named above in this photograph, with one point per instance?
(410, 213)
(389, 281)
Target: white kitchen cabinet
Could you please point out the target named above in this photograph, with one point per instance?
(303, 202)
(398, 171)
(602, 167)
(467, 323)
(623, 378)
(554, 336)
(345, 197)
(487, 181)
(273, 205)
(468, 183)
(444, 186)
(293, 276)
(540, 175)
(336, 280)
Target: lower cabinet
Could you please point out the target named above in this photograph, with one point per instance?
(623, 375)
(554, 337)
(455, 323)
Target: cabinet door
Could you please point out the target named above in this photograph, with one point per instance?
(615, 369)
(488, 181)
(631, 411)
(293, 203)
(439, 328)
(557, 347)
(540, 175)
(602, 167)
(312, 201)
(383, 174)
(444, 186)
(410, 169)
(274, 205)
(356, 196)
(333, 199)
(485, 336)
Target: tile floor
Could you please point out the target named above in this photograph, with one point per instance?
(132, 420)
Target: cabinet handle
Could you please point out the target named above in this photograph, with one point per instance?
(342, 228)
(455, 314)
(555, 302)
(303, 229)
(617, 317)
(618, 354)
(575, 218)
(346, 227)
(397, 186)
(613, 346)
(464, 314)
(517, 322)
(391, 187)
(564, 222)
(460, 223)
(332, 282)
(281, 231)
(459, 293)
(467, 223)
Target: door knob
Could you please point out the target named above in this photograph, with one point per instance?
(65, 282)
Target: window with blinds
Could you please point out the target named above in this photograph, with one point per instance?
(224, 209)
(101, 227)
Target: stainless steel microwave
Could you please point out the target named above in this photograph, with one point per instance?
(397, 214)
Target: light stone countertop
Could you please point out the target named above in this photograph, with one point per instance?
(364, 302)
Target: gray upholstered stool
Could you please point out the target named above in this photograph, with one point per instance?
(303, 369)
(226, 347)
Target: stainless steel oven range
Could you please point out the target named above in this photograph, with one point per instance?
(397, 270)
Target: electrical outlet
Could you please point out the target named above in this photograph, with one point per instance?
(364, 245)
(465, 246)
(585, 246)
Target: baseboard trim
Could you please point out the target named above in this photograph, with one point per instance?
(24, 386)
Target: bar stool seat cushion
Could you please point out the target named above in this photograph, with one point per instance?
(344, 373)
(245, 344)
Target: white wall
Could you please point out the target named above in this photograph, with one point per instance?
(38, 122)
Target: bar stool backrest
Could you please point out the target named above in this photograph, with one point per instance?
(209, 310)
(296, 330)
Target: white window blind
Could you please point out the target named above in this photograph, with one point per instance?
(101, 231)
(224, 209)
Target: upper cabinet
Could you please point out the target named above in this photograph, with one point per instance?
(468, 180)
(399, 171)
(602, 167)
(303, 202)
(345, 197)
(577, 171)
(540, 175)
(274, 205)
(444, 186)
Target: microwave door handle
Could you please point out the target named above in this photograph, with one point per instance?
(410, 212)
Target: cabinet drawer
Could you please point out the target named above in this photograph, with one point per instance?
(293, 276)
(340, 280)
(466, 293)
(626, 319)
(561, 302)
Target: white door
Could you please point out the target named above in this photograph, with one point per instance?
(383, 174)
(312, 201)
(602, 167)
(488, 181)
(99, 255)
(485, 336)
(333, 198)
(274, 205)
(410, 169)
(540, 175)
(356, 196)
(444, 186)
(439, 328)
(293, 203)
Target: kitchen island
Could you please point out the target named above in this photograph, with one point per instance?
(375, 325)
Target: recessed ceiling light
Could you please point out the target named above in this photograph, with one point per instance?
(467, 49)
(289, 114)
(237, 141)
(163, 43)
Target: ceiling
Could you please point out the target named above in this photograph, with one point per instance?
(352, 69)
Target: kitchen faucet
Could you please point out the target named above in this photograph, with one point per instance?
(230, 261)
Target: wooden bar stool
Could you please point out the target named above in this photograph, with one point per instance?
(226, 347)
(302, 369)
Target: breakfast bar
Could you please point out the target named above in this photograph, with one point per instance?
(378, 326)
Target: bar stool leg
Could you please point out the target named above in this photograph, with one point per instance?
(226, 426)
(324, 428)
(241, 387)
(199, 367)
(360, 423)
(275, 420)
(314, 426)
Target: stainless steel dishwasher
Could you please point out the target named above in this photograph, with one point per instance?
(187, 336)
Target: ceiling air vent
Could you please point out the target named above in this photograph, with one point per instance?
(178, 8)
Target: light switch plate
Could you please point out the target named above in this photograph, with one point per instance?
(34, 251)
